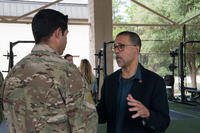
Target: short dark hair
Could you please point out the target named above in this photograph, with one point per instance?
(134, 37)
(67, 55)
(45, 22)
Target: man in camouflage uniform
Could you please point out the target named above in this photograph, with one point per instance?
(1, 79)
(1, 82)
(43, 93)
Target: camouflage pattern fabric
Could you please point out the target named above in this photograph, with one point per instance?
(1, 82)
(45, 94)
(1, 79)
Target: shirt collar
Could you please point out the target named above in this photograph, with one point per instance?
(138, 74)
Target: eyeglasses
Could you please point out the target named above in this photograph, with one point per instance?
(120, 46)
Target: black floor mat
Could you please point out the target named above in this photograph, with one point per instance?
(175, 115)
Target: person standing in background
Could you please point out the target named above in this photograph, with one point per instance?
(69, 58)
(43, 93)
(86, 71)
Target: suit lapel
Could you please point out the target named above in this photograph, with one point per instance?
(113, 91)
(136, 89)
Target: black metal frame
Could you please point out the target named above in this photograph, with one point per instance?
(98, 70)
(101, 53)
(105, 44)
(182, 73)
(11, 55)
(169, 79)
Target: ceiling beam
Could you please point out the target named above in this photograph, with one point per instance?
(151, 10)
(3, 18)
(28, 20)
(29, 13)
(154, 25)
(159, 25)
(195, 16)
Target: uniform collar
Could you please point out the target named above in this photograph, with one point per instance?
(44, 48)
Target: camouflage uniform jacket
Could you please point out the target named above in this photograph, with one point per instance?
(1, 82)
(1, 79)
(45, 94)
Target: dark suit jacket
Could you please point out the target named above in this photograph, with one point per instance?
(151, 91)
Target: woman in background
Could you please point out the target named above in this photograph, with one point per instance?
(86, 71)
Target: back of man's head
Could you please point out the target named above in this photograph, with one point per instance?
(45, 22)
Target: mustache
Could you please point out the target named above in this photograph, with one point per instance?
(118, 57)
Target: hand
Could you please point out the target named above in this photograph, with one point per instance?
(138, 107)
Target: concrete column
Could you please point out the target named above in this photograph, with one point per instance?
(100, 18)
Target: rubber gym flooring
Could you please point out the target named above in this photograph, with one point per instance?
(184, 119)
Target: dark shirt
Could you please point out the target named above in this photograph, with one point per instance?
(124, 88)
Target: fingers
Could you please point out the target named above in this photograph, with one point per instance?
(140, 112)
(133, 109)
(132, 101)
(129, 96)
(135, 115)
(138, 107)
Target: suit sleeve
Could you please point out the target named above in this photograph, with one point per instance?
(101, 106)
(159, 112)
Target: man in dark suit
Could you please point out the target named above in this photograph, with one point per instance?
(133, 99)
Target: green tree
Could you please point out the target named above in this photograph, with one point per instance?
(169, 36)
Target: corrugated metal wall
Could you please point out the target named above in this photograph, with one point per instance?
(10, 8)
